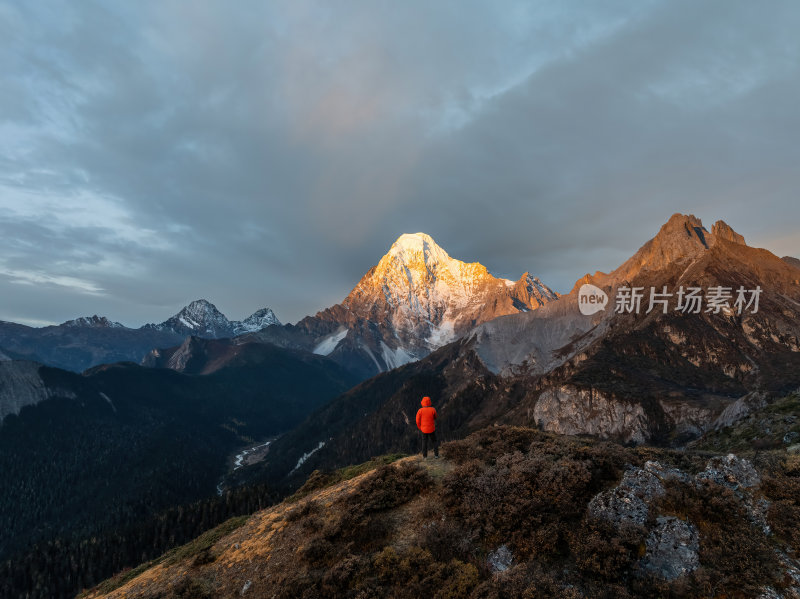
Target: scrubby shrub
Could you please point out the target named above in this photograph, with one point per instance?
(389, 487)
(792, 464)
(415, 573)
(519, 498)
(303, 511)
(446, 540)
(605, 551)
(528, 581)
(343, 575)
(784, 513)
(736, 554)
(491, 443)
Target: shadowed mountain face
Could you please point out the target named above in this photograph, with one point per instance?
(82, 343)
(122, 442)
(415, 300)
(658, 377)
(88, 341)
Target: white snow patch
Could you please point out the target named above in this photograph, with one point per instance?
(108, 399)
(442, 335)
(329, 343)
(374, 359)
(305, 456)
(395, 358)
(186, 323)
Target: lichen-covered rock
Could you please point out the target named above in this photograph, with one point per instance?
(628, 501)
(500, 559)
(791, 437)
(791, 576)
(672, 548)
(619, 505)
(731, 471)
(664, 474)
(769, 593)
(643, 483)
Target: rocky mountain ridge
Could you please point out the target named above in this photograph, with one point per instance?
(662, 378)
(88, 341)
(415, 300)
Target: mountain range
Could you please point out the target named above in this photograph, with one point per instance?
(343, 385)
(660, 377)
(414, 301)
(88, 341)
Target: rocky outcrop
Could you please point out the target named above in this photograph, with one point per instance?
(628, 502)
(571, 411)
(792, 261)
(21, 385)
(721, 230)
(673, 544)
(672, 548)
(501, 559)
(730, 471)
(741, 408)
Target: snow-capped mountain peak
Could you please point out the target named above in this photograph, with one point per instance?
(411, 247)
(95, 321)
(202, 319)
(201, 316)
(418, 298)
(418, 276)
(255, 322)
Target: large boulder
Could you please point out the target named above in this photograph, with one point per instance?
(672, 548)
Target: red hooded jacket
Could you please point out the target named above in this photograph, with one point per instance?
(426, 416)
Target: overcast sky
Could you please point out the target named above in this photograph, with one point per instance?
(268, 153)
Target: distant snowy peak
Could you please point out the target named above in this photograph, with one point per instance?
(412, 248)
(418, 298)
(417, 275)
(99, 322)
(201, 318)
(260, 319)
(419, 278)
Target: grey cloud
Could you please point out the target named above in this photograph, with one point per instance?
(269, 153)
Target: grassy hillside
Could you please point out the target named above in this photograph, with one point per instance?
(508, 512)
(775, 426)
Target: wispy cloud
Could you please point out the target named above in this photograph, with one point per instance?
(42, 279)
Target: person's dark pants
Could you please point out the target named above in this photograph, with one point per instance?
(430, 438)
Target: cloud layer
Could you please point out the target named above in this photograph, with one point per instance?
(269, 153)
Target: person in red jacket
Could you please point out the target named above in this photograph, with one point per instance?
(426, 423)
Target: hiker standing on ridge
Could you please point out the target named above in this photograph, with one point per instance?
(426, 422)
